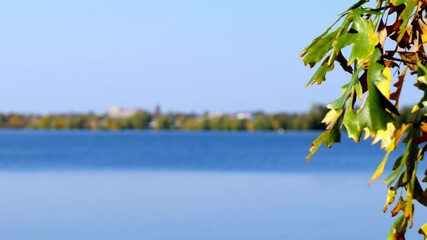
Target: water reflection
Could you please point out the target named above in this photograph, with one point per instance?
(190, 205)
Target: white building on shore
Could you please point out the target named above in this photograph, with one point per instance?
(119, 112)
(244, 116)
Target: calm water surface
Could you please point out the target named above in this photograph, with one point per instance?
(169, 185)
(203, 151)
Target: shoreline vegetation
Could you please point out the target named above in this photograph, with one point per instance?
(125, 119)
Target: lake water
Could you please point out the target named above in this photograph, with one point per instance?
(181, 185)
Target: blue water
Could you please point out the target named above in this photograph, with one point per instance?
(207, 151)
(178, 185)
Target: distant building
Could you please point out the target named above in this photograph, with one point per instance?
(157, 111)
(215, 114)
(244, 116)
(119, 112)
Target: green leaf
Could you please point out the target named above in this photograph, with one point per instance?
(374, 114)
(358, 4)
(348, 89)
(397, 2)
(320, 75)
(363, 38)
(421, 104)
(318, 49)
(376, 74)
(338, 103)
(375, 70)
(419, 194)
(352, 124)
(398, 163)
(422, 74)
(406, 15)
(397, 169)
(365, 41)
(393, 176)
(397, 230)
(328, 138)
(410, 153)
(359, 89)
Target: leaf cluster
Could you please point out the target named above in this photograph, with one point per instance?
(379, 47)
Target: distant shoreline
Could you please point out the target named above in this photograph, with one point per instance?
(125, 119)
(156, 131)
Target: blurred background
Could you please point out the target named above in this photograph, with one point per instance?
(100, 99)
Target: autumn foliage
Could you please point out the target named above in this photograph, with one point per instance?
(380, 47)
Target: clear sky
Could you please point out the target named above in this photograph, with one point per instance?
(186, 55)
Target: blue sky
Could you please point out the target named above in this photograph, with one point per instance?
(187, 55)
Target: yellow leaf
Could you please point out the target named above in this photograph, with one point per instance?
(401, 204)
(415, 108)
(332, 117)
(424, 31)
(400, 132)
(380, 168)
(367, 133)
(423, 230)
(386, 137)
(384, 85)
(390, 197)
(409, 208)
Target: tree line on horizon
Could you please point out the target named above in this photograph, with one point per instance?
(143, 120)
